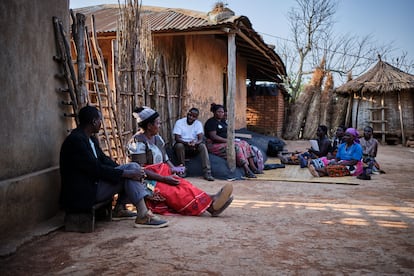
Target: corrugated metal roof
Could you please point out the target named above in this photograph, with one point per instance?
(160, 19)
(171, 20)
(107, 14)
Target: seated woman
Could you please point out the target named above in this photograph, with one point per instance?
(215, 130)
(369, 151)
(170, 193)
(348, 160)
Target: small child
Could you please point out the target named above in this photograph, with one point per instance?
(369, 151)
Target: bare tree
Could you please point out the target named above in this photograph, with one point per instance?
(313, 38)
(309, 23)
(402, 62)
(347, 53)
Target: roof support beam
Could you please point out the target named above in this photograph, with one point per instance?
(254, 45)
(231, 77)
(175, 33)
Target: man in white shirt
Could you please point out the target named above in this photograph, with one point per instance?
(189, 133)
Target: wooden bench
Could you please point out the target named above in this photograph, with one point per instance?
(84, 222)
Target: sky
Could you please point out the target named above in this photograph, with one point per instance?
(385, 20)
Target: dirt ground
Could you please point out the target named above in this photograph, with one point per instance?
(272, 228)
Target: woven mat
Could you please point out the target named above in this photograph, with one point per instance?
(293, 173)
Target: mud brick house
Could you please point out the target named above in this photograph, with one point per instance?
(196, 48)
(31, 119)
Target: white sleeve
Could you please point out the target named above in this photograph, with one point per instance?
(177, 129)
(200, 128)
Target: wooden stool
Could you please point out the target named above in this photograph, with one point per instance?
(84, 222)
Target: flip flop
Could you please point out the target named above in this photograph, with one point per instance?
(250, 174)
(220, 199)
(258, 172)
(216, 213)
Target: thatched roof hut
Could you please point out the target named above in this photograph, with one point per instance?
(383, 98)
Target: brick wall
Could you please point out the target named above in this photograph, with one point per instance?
(265, 114)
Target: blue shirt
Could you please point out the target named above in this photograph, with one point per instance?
(353, 152)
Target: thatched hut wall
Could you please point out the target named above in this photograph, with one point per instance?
(168, 64)
(170, 82)
(367, 111)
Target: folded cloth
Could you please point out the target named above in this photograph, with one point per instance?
(273, 166)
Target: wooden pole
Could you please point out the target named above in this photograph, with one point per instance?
(382, 119)
(358, 103)
(115, 76)
(348, 116)
(167, 99)
(180, 91)
(78, 33)
(231, 76)
(401, 119)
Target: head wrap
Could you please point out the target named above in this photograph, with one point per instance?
(354, 133)
(144, 114)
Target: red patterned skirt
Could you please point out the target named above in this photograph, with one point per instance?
(184, 198)
(242, 149)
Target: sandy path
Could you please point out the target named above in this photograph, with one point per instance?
(272, 228)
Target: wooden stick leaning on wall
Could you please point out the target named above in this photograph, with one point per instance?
(78, 35)
(119, 147)
(167, 98)
(97, 91)
(64, 60)
(69, 62)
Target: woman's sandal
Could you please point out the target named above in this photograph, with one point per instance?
(220, 199)
(250, 174)
(215, 213)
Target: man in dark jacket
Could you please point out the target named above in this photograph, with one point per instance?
(88, 176)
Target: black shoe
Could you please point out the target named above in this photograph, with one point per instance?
(364, 177)
(250, 174)
(121, 214)
(208, 176)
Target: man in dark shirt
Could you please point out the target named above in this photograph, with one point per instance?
(89, 176)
